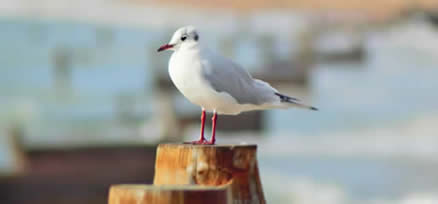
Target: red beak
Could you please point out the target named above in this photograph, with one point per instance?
(164, 47)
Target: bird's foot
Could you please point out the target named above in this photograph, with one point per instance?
(209, 142)
(200, 142)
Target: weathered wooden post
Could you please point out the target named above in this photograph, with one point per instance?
(210, 168)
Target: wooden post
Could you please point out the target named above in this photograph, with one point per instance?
(188, 194)
(218, 165)
(198, 174)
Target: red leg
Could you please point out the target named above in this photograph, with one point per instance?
(213, 131)
(202, 139)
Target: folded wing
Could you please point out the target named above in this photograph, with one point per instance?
(226, 76)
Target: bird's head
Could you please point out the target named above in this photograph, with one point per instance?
(184, 36)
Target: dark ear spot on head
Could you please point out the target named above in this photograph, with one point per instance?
(196, 37)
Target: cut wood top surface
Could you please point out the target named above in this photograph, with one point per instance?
(141, 187)
(217, 146)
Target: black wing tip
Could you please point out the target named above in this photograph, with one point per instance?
(314, 109)
(285, 98)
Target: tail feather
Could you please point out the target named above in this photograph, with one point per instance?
(294, 101)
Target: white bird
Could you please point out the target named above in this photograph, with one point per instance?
(216, 83)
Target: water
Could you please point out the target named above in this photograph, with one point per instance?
(373, 136)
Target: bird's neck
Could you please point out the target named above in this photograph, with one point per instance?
(189, 47)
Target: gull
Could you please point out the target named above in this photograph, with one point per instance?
(217, 84)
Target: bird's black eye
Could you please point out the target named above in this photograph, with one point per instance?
(183, 37)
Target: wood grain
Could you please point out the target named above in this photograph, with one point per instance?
(234, 166)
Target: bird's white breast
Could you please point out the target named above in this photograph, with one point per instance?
(185, 70)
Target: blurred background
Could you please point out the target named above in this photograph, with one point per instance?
(85, 98)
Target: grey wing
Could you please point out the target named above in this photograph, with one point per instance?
(226, 76)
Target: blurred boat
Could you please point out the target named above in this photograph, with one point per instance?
(414, 31)
(339, 46)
